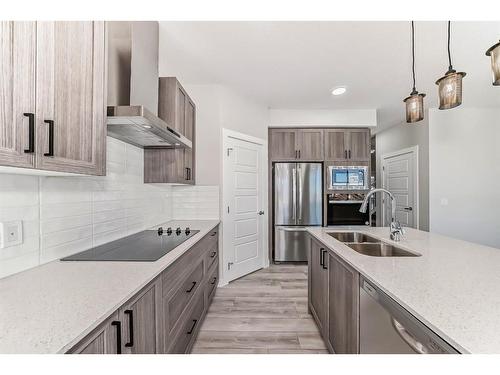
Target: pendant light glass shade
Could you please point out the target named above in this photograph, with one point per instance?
(494, 52)
(450, 85)
(450, 89)
(414, 102)
(414, 107)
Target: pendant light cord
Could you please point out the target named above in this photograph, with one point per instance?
(413, 54)
(449, 54)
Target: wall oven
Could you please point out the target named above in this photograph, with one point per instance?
(348, 177)
(343, 209)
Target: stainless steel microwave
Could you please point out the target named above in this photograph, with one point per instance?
(348, 177)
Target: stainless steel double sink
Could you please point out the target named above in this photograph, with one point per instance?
(371, 246)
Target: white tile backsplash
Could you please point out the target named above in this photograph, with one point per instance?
(65, 215)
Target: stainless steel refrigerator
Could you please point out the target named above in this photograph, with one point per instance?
(297, 203)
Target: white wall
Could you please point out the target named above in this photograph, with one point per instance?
(65, 215)
(401, 137)
(323, 117)
(464, 158)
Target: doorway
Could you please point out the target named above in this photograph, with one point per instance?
(244, 197)
(400, 176)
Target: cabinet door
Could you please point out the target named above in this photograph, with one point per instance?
(318, 285)
(102, 340)
(310, 144)
(71, 97)
(189, 133)
(139, 323)
(335, 144)
(359, 145)
(283, 144)
(343, 307)
(17, 92)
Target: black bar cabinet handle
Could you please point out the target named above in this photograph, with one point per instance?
(299, 154)
(192, 287)
(214, 253)
(213, 234)
(324, 260)
(213, 281)
(189, 174)
(349, 154)
(31, 134)
(192, 327)
(51, 137)
(321, 258)
(345, 153)
(118, 326)
(130, 342)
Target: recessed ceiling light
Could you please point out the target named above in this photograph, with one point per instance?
(339, 90)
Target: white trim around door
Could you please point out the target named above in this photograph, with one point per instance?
(244, 195)
(408, 156)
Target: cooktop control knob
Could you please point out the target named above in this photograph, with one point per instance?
(188, 231)
(160, 231)
(169, 231)
(178, 231)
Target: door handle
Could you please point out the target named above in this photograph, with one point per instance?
(118, 326)
(130, 342)
(31, 133)
(408, 208)
(51, 137)
(192, 287)
(294, 194)
(408, 338)
(261, 212)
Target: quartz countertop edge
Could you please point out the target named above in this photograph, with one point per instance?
(67, 300)
(432, 287)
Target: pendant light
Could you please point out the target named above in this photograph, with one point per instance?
(450, 85)
(494, 52)
(415, 102)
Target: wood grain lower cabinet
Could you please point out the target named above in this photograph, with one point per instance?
(318, 284)
(333, 299)
(343, 307)
(166, 315)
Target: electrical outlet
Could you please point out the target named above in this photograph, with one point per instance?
(11, 233)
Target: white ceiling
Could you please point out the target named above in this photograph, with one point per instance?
(294, 65)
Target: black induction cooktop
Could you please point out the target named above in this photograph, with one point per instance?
(145, 246)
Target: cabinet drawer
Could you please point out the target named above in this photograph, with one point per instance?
(180, 297)
(212, 256)
(189, 330)
(212, 282)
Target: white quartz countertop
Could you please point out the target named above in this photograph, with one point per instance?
(48, 309)
(452, 287)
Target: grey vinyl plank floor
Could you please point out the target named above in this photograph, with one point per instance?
(261, 313)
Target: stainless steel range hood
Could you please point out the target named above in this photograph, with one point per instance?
(133, 87)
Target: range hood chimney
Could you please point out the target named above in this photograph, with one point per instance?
(133, 87)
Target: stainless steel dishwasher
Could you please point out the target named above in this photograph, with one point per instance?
(386, 327)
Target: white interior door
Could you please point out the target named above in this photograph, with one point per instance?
(244, 217)
(400, 177)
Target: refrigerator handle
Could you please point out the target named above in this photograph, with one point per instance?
(294, 194)
(299, 218)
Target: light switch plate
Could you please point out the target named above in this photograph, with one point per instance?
(11, 233)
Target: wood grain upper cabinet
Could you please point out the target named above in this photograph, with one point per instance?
(178, 110)
(70, 97)
(17, 93)
(283, 144)
(310, 144)
(347, 144)
(343, 307)
(318, 283)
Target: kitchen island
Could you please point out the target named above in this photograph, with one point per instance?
(451, 287)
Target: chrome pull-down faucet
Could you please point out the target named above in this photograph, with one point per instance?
(396, 229)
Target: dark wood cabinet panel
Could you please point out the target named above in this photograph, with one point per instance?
(283, 144)
(359, 145)
(103, 340)
(178, 110)
(318, 284)
(17, 93)
(335, 144)
(343, 307)
(347, 145)
(71, 97)
(310, 144)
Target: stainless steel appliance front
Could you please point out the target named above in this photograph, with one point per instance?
(387, 328)
(297, 203)
(342, 177)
